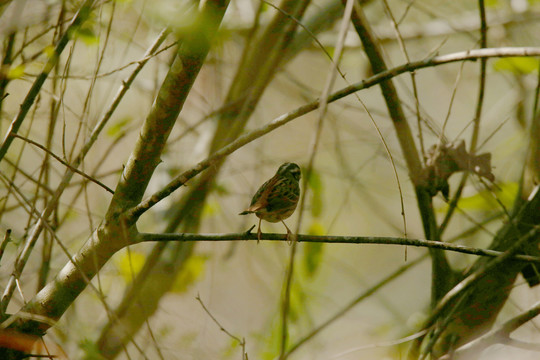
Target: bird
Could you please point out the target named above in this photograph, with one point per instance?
(277, 198)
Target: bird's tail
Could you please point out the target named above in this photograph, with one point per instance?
(245, 212)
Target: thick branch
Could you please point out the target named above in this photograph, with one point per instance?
(54, 299)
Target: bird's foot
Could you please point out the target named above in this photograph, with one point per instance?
(290, 237)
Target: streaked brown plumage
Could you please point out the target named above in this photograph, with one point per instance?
(277, 198)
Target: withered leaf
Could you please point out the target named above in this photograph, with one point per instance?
(445, 159)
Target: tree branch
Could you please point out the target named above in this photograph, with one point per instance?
(79, 18)
(151, 237)
(502, 333)
(134, 213)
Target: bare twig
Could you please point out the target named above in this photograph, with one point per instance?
(323, 107)
(476, 120)
(382, 344)
(5, 241)
(57, 158)
(364, 295)
(222, 328)
(68, 174)
(78, 19)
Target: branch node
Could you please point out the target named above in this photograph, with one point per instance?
(248, 232)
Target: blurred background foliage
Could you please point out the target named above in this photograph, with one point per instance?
(351, 191)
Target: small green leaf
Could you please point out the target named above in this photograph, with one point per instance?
(271, 340)
(221, 189)
(211, 208)
(516, 65)
(90, 350)
(296, 304)
(316, 187)
(316, 228)
(85, 33)
(16, 72)
(118, 129)
(485, 201)
(49, 51)
(330, 50)
(265, 7)
(129, 264)
(312, 257)
(193, 270)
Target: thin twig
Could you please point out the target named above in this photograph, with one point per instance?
(82, 14)
(382, 344)
(222, 328)
(59, 159)
(5, 241)
(476, 121)
(323, 107)
(68, 174)
(18, 269)
(364, 295)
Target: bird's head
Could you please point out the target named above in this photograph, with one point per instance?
(290, 169)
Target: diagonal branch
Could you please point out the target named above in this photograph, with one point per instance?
(113, 234)
(502, 333)
(66, 164)
(135, 212)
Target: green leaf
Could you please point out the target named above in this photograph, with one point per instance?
(313, 251)
(86, 33)
(16, 72)
(192, 271)
(49, 51)
(296, 303)
(312, 257)
(211, 208)
(316, 187)
(516, 65)
(271, 339)
(485, 201)
(118, 128)
(90, 350)
(129, 264)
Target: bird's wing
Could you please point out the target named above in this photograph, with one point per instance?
(282, 195)
(260, 199)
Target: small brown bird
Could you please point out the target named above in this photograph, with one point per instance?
(277, 198)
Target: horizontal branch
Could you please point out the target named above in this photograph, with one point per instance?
(150, 237)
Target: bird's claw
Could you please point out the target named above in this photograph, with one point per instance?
(290, 237)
